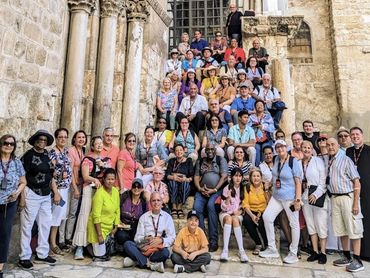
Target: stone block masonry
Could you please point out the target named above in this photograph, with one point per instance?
(33, 37)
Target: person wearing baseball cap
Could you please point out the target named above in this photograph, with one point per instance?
(244, 102)
(190, 250)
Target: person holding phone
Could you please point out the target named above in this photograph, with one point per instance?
(63, 177)
(286, 195)
(12, 183)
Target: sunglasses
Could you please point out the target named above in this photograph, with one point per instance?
(137, 186)
(9, 144)
(210, 149)
(131, 141)
(42, 140)
(218, 35)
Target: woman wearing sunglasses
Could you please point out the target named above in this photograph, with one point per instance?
(127, 165)
(12, 183)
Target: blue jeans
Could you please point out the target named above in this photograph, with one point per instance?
(259, 155)
(132, 251)
(7, 215)
(202, 203)
(276, 115)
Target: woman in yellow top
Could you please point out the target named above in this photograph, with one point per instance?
(256, 197)
(225, 92)
(104, 216)
(209, 84)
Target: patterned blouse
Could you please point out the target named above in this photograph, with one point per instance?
(167, 100)
(63, 168)
(215, 138)
(10, 173)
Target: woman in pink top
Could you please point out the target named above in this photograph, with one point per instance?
(231, 214)
(157, 185)
(76, 154)
(127, 165)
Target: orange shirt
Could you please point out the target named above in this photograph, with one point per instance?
(112, 153)
(191, 242)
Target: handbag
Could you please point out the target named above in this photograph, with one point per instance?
(320, 201)
(147, 252)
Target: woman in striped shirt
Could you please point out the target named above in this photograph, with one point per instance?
(240, 161)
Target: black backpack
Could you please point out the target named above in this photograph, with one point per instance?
(290, 161)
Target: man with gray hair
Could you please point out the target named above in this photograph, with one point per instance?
(271, 96)
(109, 149)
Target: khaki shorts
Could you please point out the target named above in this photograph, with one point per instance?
(344, 222)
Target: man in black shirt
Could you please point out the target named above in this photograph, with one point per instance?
(308, 134)
(234, 24)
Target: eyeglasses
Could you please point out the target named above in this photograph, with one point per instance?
(322, 139)
(131, 141)
(42, 140)
(210, 149)
(157, 173)
(239, 152)
(219, 35)
(214, 120)
(156, 200)
(9, 144)
(343, 136)
(62, 137)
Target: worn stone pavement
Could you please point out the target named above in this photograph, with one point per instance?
(66, 267)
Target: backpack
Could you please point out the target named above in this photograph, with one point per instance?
(260, 71)
(94, 173)
(290, 161)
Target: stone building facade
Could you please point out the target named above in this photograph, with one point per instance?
(88, 64)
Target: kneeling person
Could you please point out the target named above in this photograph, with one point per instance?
(190, 250)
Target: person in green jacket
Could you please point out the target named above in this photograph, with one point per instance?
(104, 216)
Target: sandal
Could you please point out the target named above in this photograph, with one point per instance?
(257, 250)
(57, 251)
(174, 213)
(181, 214)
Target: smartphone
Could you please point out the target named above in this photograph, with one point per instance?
(292, 208)
(62, 203)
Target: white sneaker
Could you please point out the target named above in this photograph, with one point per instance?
(178, 268)
(224, 257)
(291, 258)
(269, 253)
(243, 257)
(159, 267)
(128, 262)
(203, 268)
(79, 254)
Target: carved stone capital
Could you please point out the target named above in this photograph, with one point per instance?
(271, 26)
(137, 10)
(81, 5)
(111, 8)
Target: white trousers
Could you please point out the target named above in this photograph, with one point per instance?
(59, 213)
(67, 226)
(251, 152)
(273, 209)
(80, 236)
(38, 208)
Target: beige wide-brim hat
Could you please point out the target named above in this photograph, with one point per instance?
(206, 70)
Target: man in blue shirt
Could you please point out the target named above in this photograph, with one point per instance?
(242, 135)
(198, 43)
(244, 102)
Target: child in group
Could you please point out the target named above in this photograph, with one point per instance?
(190, 250)
(231, 214)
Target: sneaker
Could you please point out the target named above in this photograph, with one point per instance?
(159, 267)
(313, 257)
(355, 266)
(104, 258)
(26, 264)
(269, 253)
(306, 250)
(128, 262)
(178, 268)
(342, 262)
(322, 258)
(79, 254)
(47, 260)
(243, 257)
(203, 268)
(224, 257)
(291, 258)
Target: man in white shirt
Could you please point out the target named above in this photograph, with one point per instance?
(154, 236)
(194, 107)
(269, 95)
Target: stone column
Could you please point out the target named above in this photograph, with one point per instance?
(280, 71)
(74, 75)
(109, 10)
(258, 7)
(137, 13)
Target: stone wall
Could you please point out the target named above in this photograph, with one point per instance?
(313, 83)
(350, 22)
(33, 36)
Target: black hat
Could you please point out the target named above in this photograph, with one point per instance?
(138, 181)
(41, 132)
(206, 48)
(193, 213)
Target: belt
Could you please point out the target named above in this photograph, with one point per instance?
(339, 194)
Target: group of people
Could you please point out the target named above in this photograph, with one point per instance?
(218, 138)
